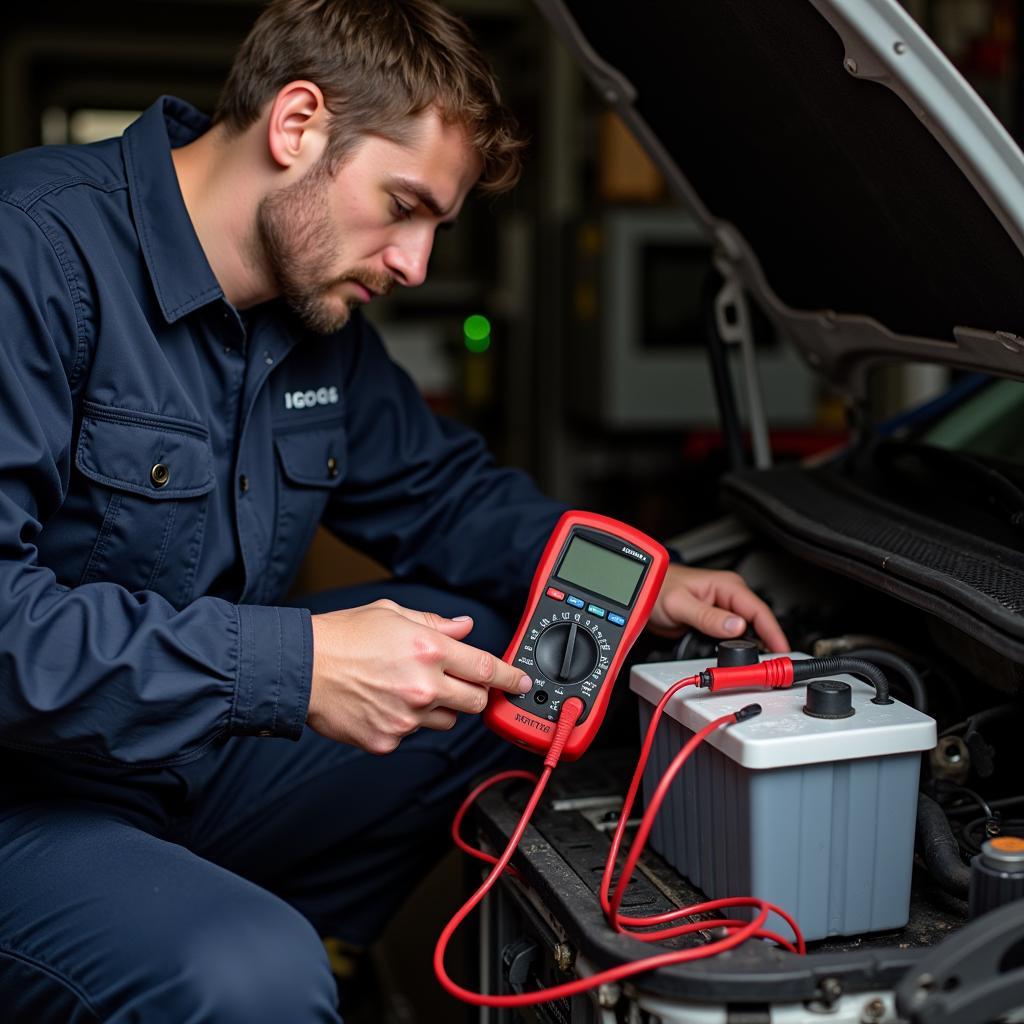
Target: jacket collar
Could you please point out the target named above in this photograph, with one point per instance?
(178, 267)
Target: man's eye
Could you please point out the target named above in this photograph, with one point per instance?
(401, 211)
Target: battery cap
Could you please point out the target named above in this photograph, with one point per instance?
(828, 698)
(737, 652)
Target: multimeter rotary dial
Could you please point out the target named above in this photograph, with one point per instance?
(566, 652)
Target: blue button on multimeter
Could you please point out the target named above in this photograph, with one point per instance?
(574, 601)
(617, 620)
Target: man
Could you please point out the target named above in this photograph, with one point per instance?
(188, 387)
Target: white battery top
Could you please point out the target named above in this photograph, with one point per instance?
(782, 735)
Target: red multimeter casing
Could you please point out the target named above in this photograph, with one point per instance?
(591, 595)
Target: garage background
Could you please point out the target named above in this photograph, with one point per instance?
(589, 263)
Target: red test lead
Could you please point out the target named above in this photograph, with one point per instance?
(737, 931)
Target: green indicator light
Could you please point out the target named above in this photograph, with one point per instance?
(476, 327)
(476, 332)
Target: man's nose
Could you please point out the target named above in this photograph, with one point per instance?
(408, 260)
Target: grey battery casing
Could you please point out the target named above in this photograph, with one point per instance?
(814, 815)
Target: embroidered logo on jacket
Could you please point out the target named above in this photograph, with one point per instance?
(307, 399)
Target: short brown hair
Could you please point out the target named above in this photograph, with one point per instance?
(378, 63)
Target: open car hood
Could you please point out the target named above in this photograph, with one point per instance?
(854, 183)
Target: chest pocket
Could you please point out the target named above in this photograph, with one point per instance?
(312, 465)
(150, 475)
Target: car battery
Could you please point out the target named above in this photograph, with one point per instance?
(814, 814)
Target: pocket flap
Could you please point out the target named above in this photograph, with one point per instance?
(312, 457)
(157, 457)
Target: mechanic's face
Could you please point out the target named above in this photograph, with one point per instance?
(332, 243)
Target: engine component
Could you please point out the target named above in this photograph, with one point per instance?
(974, 976)
(997, 874)
(939, 849)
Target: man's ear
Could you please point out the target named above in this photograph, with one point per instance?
(297, 126)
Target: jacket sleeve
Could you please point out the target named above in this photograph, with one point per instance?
(95, 671)
(423, 495)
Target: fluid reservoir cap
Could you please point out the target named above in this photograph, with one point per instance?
(1004, 852)
(737, 652)
(829, 698)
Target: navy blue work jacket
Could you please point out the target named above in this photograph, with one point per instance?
(165, 460)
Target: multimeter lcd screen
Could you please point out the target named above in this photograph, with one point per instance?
(600, 571)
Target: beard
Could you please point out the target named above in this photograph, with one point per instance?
(294, 240)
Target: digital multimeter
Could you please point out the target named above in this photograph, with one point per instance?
(591, 595)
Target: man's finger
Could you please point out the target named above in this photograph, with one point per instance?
(747, 604)
(714, 621)
(441, 719)
(731, 620)
(457, 695)
(476, 666)
(458, 627)
(768, 629)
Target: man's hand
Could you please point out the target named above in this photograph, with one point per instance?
(380, 672)
(717, 603)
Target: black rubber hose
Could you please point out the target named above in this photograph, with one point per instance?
(944, 787)
(938, 848)
(814, 668)
(898, 664)
(994, 805)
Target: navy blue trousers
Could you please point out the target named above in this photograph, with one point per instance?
(198, 895)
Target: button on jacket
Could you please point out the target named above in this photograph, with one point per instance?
(165, 459)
